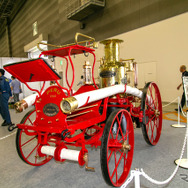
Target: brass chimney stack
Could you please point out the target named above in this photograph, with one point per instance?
(112, 50)
(111, 69)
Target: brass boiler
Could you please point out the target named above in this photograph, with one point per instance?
(114, 70)
(111, 70)
(131, 71)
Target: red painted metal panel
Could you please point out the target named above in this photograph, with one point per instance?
(74, 50)
(32, 71)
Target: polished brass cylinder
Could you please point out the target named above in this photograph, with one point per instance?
(112, 50)
(121, 74)
(131, 73)
(107, 76)
(68, 105)
(110, 70)
(20, 106)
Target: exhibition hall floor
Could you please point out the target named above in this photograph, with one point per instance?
(157, 162)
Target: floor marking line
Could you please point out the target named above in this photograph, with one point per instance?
(7, 136)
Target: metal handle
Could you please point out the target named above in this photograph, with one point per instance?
(86, 36)
(52, 45)
(87, 168)
(90, 39)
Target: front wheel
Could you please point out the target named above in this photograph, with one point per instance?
(117, 147)
(27, 142)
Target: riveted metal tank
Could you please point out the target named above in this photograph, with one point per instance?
(114, 70)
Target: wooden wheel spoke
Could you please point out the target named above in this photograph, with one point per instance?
(30, 121)
(155, 129)
(150, 120)
(111, 133)
(121, 132)
(156, 101)
(117, 132)
(36, 157)
(153, 100)
(124, 137)
(28, 141)
(119, 121)
(116, 166)
(32, 151)
(150, 107)
(110, 155)
(120, 128)
(121, 118)
(152, 128)
(149, 124)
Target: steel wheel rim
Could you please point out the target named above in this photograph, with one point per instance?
(113, 151)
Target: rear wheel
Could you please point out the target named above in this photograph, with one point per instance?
(117, 147)
(27, 142)
(151, 106)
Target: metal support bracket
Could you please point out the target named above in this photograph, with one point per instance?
(86, 163)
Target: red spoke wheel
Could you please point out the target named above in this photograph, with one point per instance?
(117, 147)
(27, 142)
(151, 106)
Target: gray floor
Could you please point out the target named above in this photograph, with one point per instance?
(158, 162)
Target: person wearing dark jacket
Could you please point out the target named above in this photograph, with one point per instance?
(184, 73)
(5, 94)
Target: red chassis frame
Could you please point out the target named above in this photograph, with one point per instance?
(65, 125)
(86, 125)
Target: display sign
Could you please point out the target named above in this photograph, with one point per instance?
(185, 84)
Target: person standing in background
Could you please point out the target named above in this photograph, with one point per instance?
(5, 94)
(15, 88)
(184, 73)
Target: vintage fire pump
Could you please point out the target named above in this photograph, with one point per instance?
(97, 115)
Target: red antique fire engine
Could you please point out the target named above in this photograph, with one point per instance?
(100, 114)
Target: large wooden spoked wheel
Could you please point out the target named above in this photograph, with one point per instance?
(151, 106)
(117, 147)
(27, 144)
